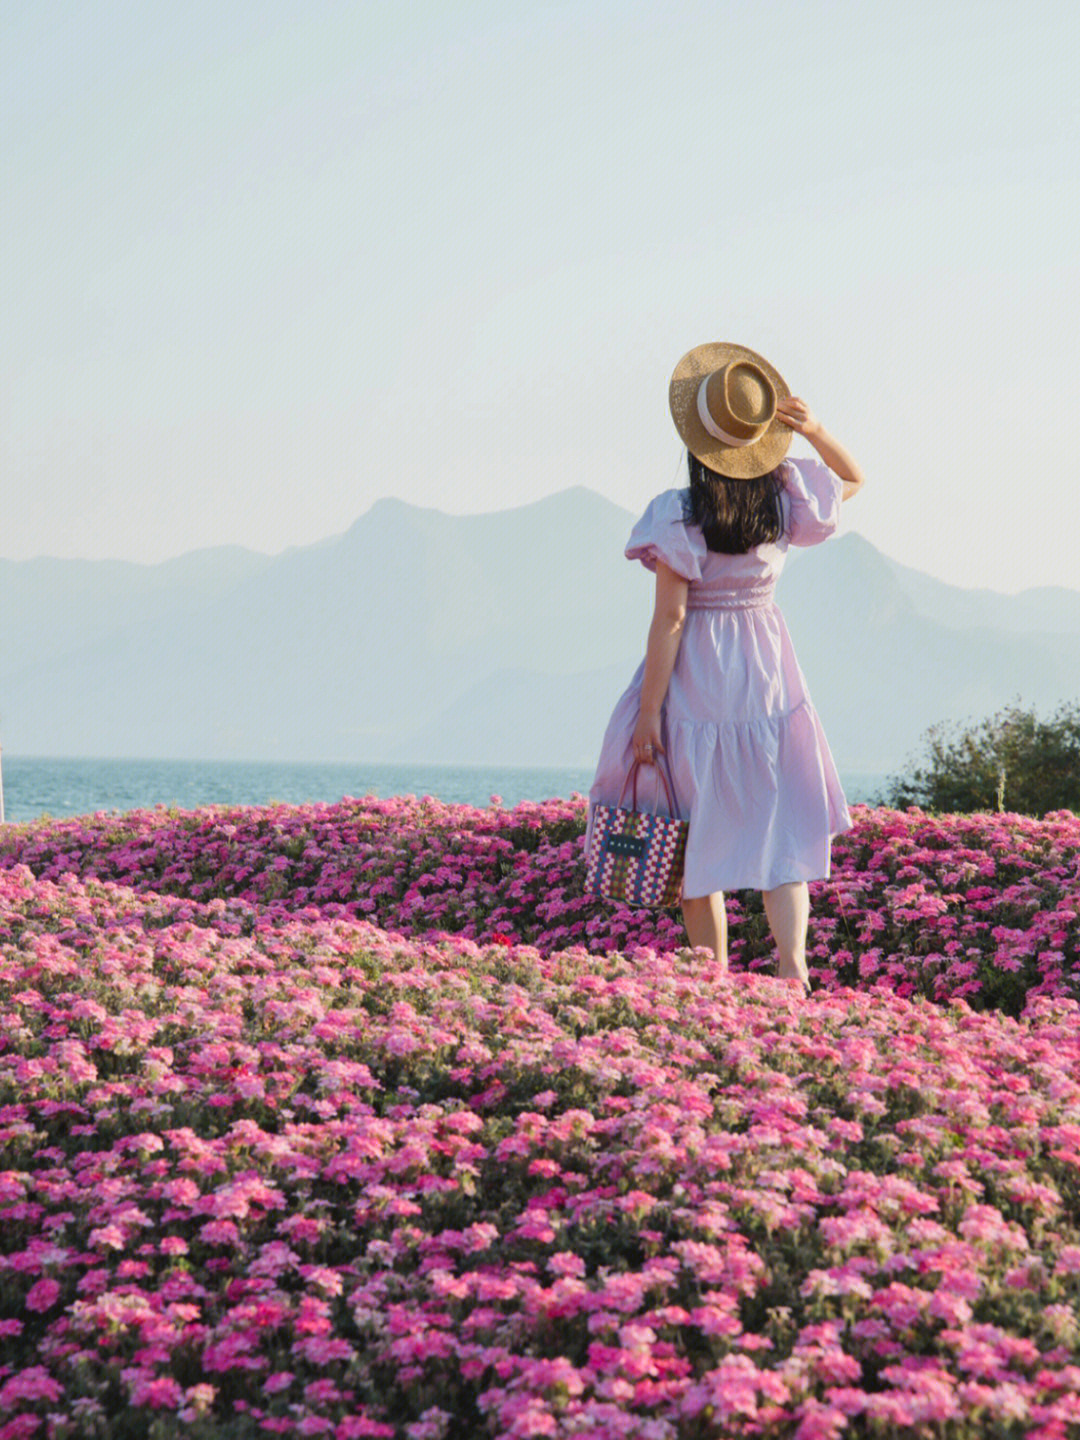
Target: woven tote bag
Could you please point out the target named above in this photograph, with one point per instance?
(636, 857)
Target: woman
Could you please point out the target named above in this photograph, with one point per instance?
(719, 693)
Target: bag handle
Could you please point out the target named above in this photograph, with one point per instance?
(673, 811)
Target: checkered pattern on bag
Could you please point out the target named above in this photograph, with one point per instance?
(636, 857)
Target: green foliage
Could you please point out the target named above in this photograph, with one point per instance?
(1010, 761)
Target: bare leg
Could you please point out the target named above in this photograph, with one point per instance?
(787, 909)
(706, 923)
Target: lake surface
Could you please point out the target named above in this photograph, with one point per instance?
(37, 785)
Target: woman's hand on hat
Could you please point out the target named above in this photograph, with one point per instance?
(796, 413)
(646, 741)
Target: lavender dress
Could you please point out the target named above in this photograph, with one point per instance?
(744, 747)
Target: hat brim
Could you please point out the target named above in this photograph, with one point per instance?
(739, 462)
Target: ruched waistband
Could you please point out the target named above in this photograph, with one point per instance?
(755, 599)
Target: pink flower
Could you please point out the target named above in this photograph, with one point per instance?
(199, 1399)
(359, 1427)
(697, 1111)
(219, 1232)
(29, 1385)
(566, 1263)
(108, 1237)
(160, 1393)
(533, 1418)
(819, 1422)
(953, 1309)
(43, 1295)
(480, 1236)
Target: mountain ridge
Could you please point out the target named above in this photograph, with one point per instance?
(504, 636)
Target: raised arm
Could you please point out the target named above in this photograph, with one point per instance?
(798, 415)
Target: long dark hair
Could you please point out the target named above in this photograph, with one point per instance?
(735, 515)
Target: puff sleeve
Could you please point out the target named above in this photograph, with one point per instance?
(662, 534)
(811, 501)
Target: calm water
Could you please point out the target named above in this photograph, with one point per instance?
(35, 786)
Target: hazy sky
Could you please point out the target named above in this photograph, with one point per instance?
(265, 263)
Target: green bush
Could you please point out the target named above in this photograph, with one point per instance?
(1011, 761)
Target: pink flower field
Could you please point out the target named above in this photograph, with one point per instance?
(362, 1120)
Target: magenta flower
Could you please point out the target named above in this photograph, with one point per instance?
(43, 1295)
(365, 1120)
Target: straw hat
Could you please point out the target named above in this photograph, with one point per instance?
(723, 401)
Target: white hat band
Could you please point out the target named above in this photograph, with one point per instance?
(711, 425)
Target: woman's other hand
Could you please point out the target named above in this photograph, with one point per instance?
(796, 413)
(646, 735)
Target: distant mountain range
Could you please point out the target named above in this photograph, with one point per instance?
(502, 639)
